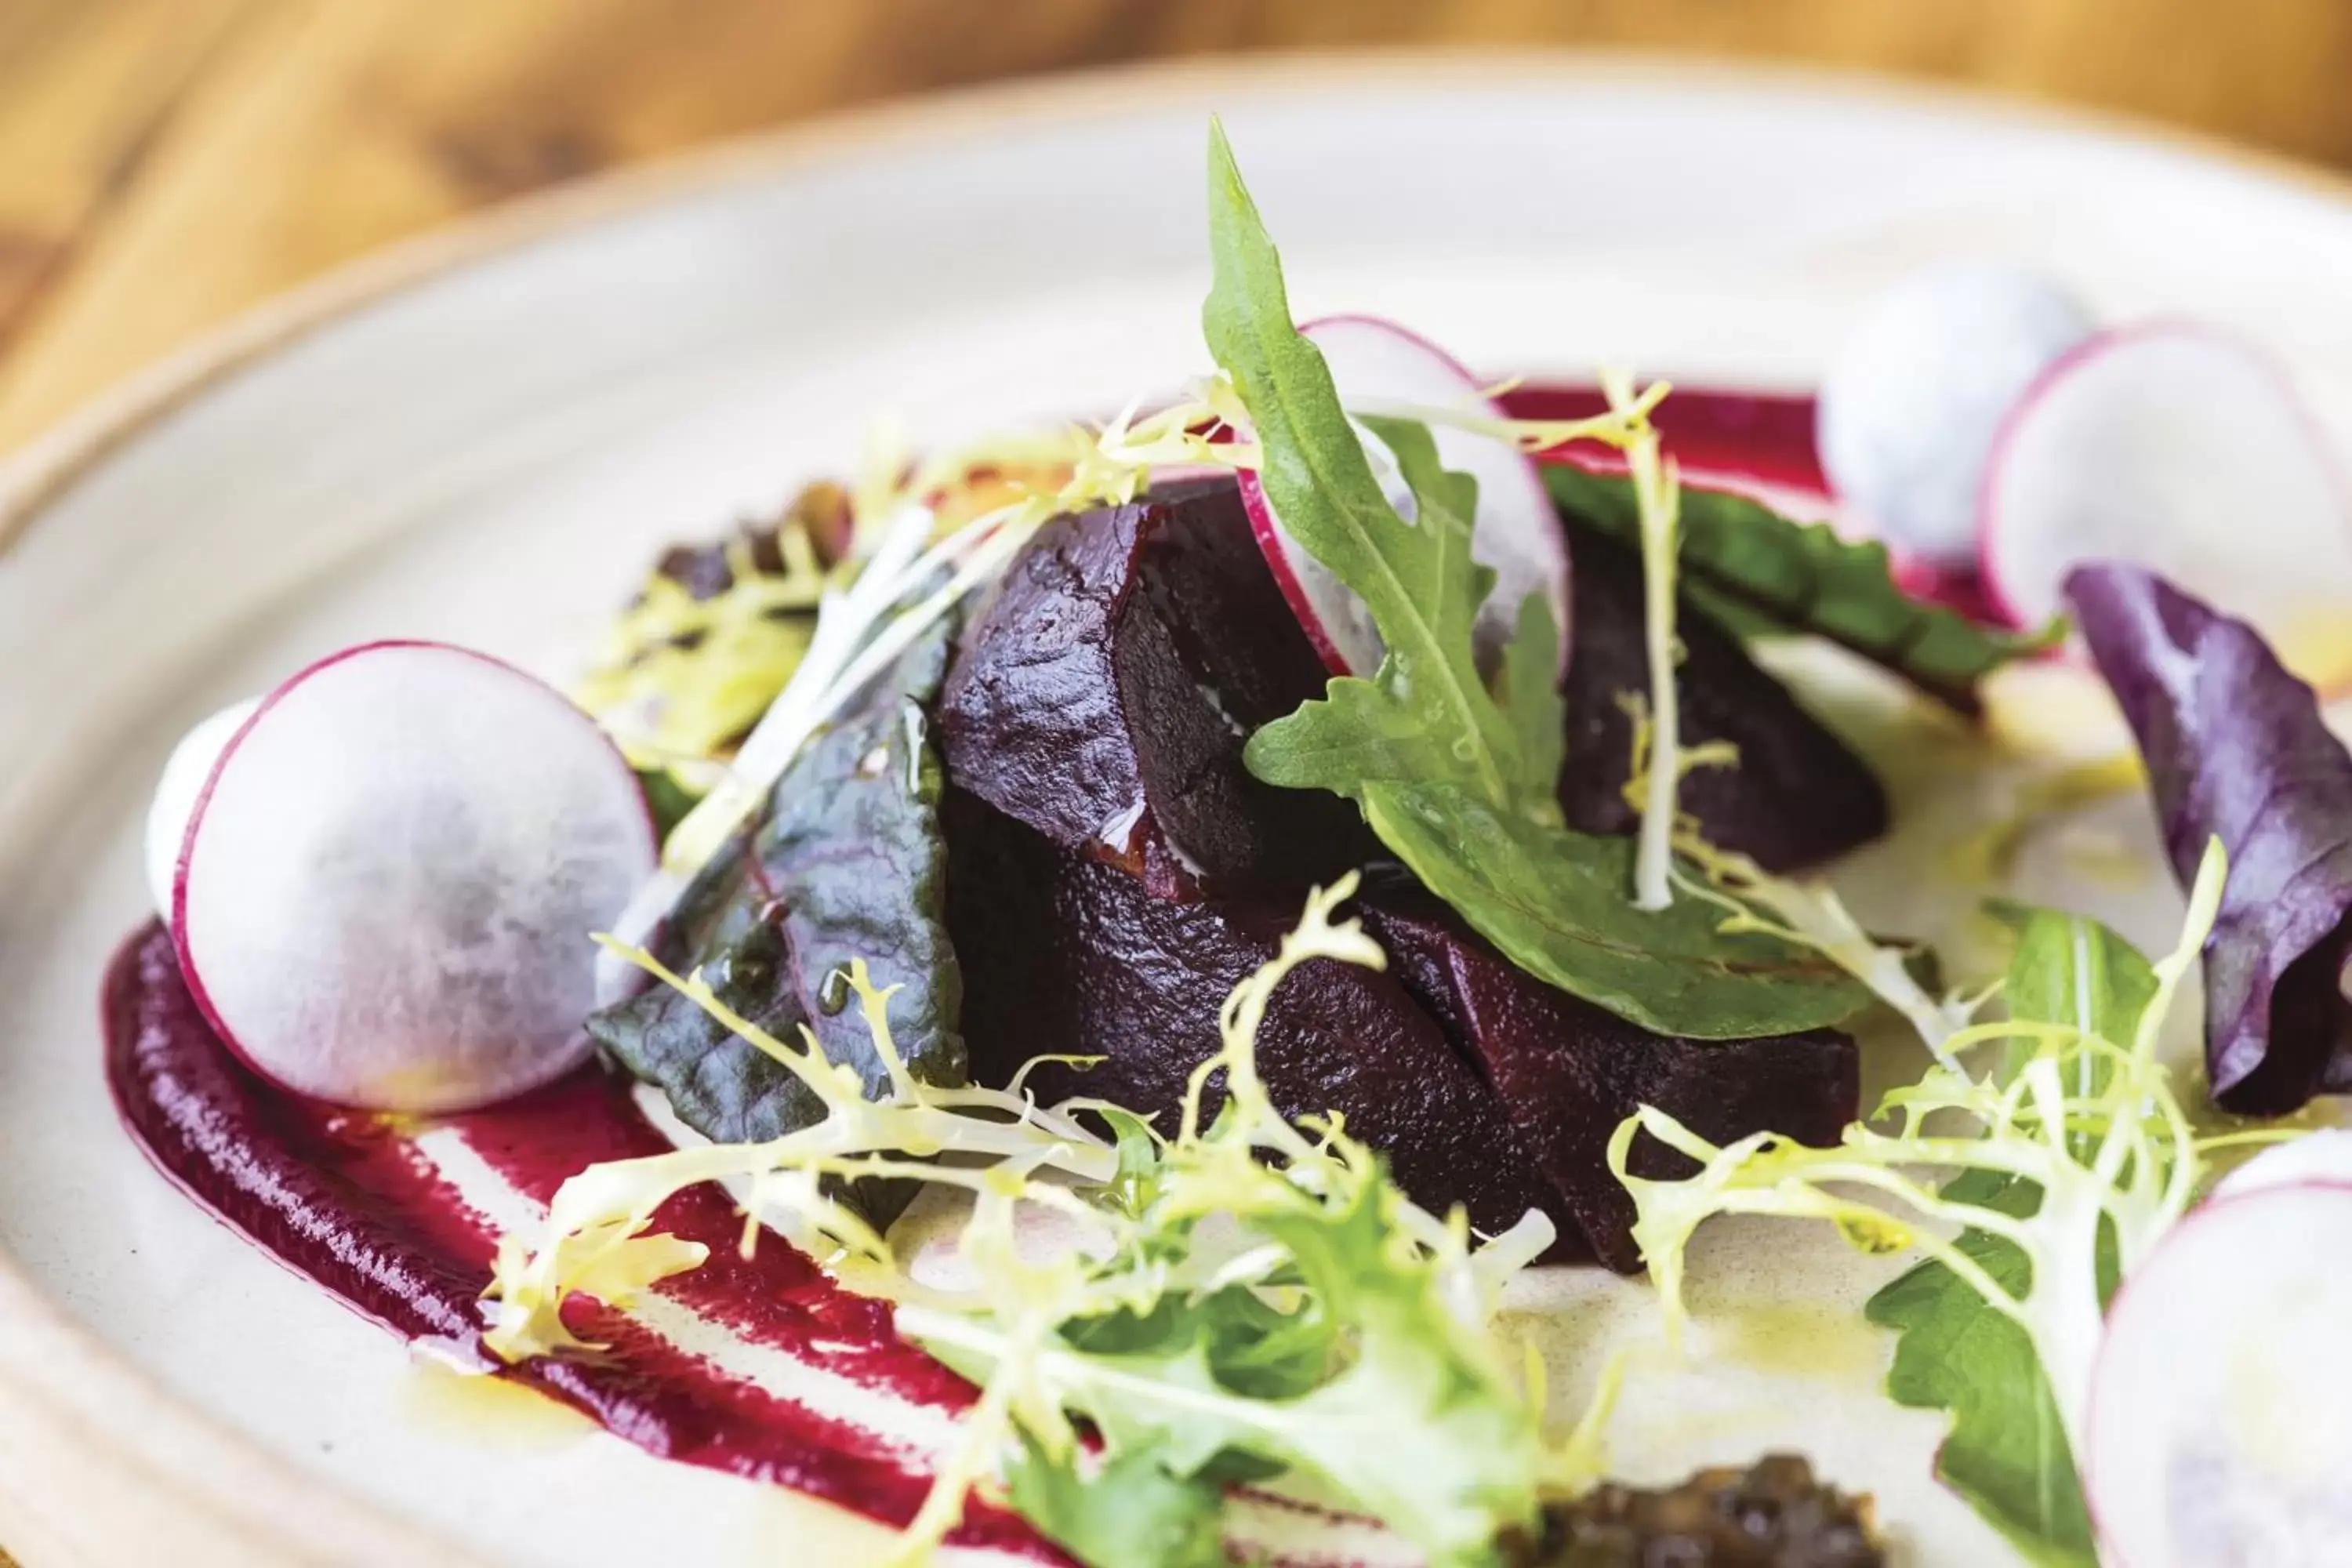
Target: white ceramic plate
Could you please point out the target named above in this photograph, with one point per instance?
(489, 453)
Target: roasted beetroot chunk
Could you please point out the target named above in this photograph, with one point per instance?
(1798, 797)
(1065, 955)
(1113, 872)
(1567, 1072)
(1103, 698)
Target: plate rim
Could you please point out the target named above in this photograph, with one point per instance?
(36, 474)
(95, 1453)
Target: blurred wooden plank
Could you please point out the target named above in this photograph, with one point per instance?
(86, 92)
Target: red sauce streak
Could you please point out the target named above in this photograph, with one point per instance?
(1740, 440)
(1763, 436)
(347, 1200)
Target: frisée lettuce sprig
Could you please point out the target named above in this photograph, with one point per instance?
(1252, 1297)
(2033, 1185)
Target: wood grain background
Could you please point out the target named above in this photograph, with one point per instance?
(165, 163)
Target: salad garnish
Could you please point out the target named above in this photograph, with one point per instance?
(713, 635)
(2075, 1155)
(1253, 1299)
(2238, 749)
(847, 864)
(1459, 785)
(1760, 575)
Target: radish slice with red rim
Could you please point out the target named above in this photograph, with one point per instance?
(2220, 1422)
(2323, 1155)
(2180, 449)
(185, 774)
(1382, 368)
(386, 892)
(1912, 402)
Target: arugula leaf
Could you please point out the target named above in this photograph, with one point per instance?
(1530, 692)
(1555, 903)
(1459, 786)
(1130, 1510)
(2007, 1453)
(2071, 970)
(1759, 573)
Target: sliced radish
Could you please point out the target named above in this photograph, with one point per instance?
(1381, 367)
(1915, 398)
(386, 891)
(2180, 449)
(185, 772)
(2324, 1156)
(2220, 1424)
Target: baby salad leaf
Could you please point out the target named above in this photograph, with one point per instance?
(847, 863)
(2071, 970)
(2007, 1453)
(1556, 902)
(1132, 1509)
(2073, 1164)
(1460, 787)
(1531, 694)
(1253, 1298)
(1761, 574)
(2238, 749)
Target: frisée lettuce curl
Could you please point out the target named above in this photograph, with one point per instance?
(2091, 1123)
(1251, 1297)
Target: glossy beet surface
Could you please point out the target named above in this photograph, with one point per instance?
(1798, 797)
(1103, 698)
(1482, 1085)
(1064, 955)
(1567, 1072)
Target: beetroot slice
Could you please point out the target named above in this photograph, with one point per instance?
(1063, 955)
(1103, 697)
(1567, 1072)
(1799, 795)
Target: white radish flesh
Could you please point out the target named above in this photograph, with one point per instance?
(2323, 1157)
(1911, 405)
(387, 890)
(1379, 367)
(2220, 1425)
(185, 772)
(2179, 449)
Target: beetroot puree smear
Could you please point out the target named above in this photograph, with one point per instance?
(1764, 437)
(1750, 440)
(347, 1199)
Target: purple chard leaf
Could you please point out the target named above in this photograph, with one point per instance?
(2236, 749)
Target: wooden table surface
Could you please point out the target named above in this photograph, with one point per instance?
(164, 163)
